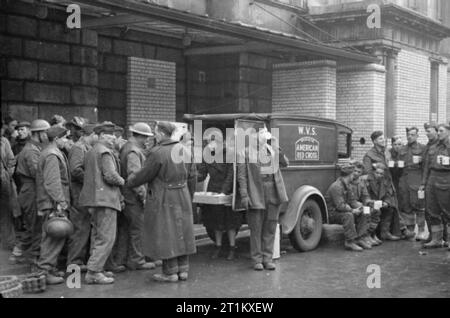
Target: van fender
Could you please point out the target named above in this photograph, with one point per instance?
(289, 219)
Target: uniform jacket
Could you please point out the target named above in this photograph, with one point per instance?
(381, 190)
(102, 180)
(441, 148)
(250, 183)
(132, 160)
(412, 173)
(77, 155)
(27, 162)
(360, 192)
(168, 219)
(340, 198)
(52, 179)
(8, 186)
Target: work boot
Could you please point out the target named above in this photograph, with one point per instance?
(231, 253)
(163, 278)
(117, 269)
(158, 263)
(258, 267)
(364, 244)
(145, 266)
(421, 236)
(412, 235)
(215, 254)
(270, 266)
(437, 234)
(98, 278)
(52, 279)
(389, 237)
(372, 241)
(407, 234)
(183, 276)
(376, 239)
(368, 240)
(351, 246)
(108, 274)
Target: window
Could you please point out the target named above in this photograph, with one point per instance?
(344, 145)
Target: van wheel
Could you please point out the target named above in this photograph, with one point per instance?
(212, 236)
(307, 232)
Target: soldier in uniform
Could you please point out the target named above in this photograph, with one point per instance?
(101, 195)
(26, 168)
(262, 190)
(437, 185)
(378, 155)
(361, 194)
(381, 190)
(132, 160)
(411, 207)
(53, 194)
(168, 217)
(23, 136)
(431, 130)
(78, 242)
(344, 209)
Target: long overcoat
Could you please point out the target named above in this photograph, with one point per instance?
(168, 219)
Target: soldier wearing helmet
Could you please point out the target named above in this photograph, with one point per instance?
(130, 223)
(52, 199)
(26, 168)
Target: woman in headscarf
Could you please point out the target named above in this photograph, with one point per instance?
(219, 218)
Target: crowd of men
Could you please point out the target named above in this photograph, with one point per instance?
(394, 190)
(82, 172)
(87, 173)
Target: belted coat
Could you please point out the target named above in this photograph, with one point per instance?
(168, 220)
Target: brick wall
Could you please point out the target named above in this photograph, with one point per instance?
(45, 68)
(413, 91)
(360, 100)
(308, 88)
(230, 83)
(114, 48)
(151, 90)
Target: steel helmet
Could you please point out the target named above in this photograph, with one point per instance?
(59, 227)
(39, 125)
(142, 129)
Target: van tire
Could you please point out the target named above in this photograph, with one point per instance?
(304, 227)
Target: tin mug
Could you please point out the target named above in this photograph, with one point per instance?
(440, 160)
(378, 205)
(366, 210)
(391, 164)
(421, 194)
(445, 161)
(416, 159)
(401, 164)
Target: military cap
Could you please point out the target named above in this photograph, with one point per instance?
(347, 169)
(77, 121)
(446, 126)
(166, 127)
(88, 128)
(376, 134)
(56, 131)
(23, 124)
(118, 129)
(105, 127)
(57, 120)
(408, 129)
(430, 125)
